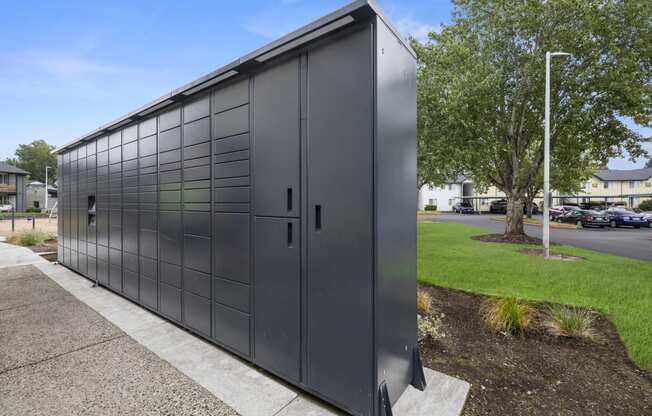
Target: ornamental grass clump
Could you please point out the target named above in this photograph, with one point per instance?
(509, 315)
(424, 302)
(30, 238)
(570, 322)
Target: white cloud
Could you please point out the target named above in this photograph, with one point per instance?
(418, 30)
(64, 74)
(63, 64)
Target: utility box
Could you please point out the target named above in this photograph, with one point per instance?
(270, 208)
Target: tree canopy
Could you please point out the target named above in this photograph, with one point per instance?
(482, 83)
(34, 157)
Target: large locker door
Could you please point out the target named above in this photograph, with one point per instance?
(339, 221)
(276, 140)
(277, 295)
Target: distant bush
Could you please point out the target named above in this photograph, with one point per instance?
(32, 209)
(430, 208)
(30, 238)
(646, 205)
(570, 322)
(424, 302)
(507, 315)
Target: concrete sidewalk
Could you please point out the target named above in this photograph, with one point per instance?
(240, 385)
(60, 357)
(53, 325)
(11, 255)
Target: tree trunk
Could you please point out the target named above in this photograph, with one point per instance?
(514, 220)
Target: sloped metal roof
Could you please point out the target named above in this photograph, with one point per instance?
(7, 168)
(623, 175)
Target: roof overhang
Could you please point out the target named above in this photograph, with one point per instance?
(344, 16)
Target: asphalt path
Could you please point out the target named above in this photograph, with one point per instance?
(627, 242)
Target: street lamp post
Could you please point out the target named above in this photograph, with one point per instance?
(546, 157)
(45, 207)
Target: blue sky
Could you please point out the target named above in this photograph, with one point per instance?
(67, 67)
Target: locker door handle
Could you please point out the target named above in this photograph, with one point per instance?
(289, 234)
(317, 217)
(289, 199)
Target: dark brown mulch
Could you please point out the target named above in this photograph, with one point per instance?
(536, 374)
(49, 246)
(511, 239)
(45, 247)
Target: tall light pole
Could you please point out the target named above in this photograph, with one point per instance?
(546, 157)
(45, 207)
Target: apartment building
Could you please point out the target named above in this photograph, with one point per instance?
(629, 187)
(12, 186)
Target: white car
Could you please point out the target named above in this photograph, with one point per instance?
(5, 208)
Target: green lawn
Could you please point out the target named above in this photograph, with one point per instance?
(617, 286)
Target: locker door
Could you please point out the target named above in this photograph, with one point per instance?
(276, 140)
(339, 221)
(277, 295)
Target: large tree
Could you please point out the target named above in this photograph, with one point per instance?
(481, 91)
(34, 157)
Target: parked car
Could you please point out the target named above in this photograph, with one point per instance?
(619, 217)
(646, 215)
(463, 208)
(556, 212)
(5, 208)
(585, 218)
(499, 206)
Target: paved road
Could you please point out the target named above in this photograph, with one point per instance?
(627, 242)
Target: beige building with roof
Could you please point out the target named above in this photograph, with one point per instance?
(628, 187)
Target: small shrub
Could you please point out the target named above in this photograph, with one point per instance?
(424, 302)
(429, 327)
(30, 238)
(570, 322)
(507, 315)
(33, 210)
(646, 205)
(430, 208)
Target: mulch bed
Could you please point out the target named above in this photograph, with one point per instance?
(49, 246)
(510, 239)
(536, 374)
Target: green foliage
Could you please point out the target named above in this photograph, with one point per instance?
(33, 210)
(7, 215)
(646, 205)
(430, 208)
(507, 315)
(34, 157)
(448, 257)
(570, 322)
(481, 91)
(30, 238)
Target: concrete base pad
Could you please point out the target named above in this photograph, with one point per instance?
(243, 387)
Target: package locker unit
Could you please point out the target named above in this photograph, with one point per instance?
(269, 207)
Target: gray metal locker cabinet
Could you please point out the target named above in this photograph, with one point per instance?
(270, 208)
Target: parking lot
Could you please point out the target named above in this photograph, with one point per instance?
(627, 242)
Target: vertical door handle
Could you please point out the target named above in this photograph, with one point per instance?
(317, 217)
(289, 234)
(289, 199)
